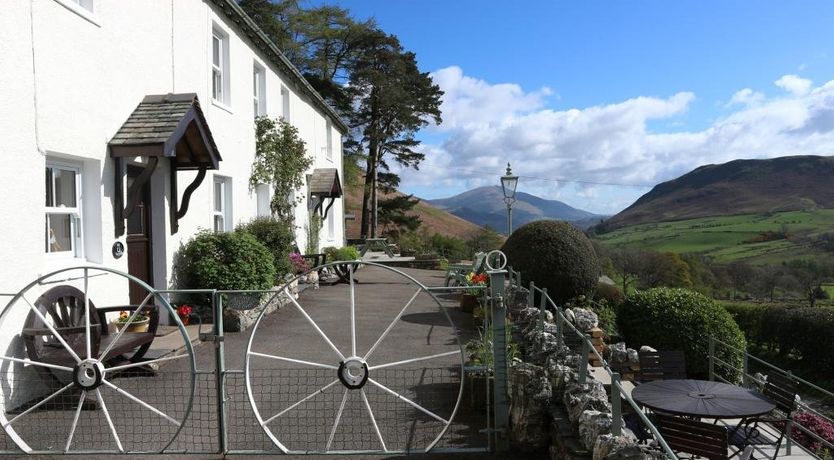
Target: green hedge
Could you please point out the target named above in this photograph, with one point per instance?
(278, 238)
(801, 333)
(679, 319)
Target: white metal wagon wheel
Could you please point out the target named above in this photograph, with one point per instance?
(70, 384)
(347, 379)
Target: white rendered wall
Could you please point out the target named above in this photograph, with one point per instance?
(67, 86)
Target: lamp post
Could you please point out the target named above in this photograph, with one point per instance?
(508, 185)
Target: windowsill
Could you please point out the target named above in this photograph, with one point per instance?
(56, 263)
(81, 11)
(222, 106)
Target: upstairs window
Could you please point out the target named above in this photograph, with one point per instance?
(222, 204)
(63, 210)
(285, 104)
(220, 66)
(329, 141)
(259, 90)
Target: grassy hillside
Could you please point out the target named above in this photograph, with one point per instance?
(435, 220)
(752, 238)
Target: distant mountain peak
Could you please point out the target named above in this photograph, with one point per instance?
(736, 187)
(485, 206)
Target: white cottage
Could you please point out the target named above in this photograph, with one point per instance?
(129, 124)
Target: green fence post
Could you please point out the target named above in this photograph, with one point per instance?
(788, 427)
(531, 298)
(745, 380)
(542, 307)
(220, 370)
(583, 360)
(616, 408)
(559, 326)
(499, 353)
(711, 358)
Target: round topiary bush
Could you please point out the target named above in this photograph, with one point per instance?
(554, 255)
(278, 238)
(223, 261)
(678, 319)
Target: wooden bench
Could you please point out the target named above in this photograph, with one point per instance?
(65, 306)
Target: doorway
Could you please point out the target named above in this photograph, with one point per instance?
(139, 253)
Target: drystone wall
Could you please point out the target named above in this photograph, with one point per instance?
(550, 411)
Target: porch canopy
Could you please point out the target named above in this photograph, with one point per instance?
(324, 184)
(168, 126)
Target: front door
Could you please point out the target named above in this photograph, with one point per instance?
(139, 239)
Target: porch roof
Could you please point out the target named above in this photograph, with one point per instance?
(171, 126)
(325, 183)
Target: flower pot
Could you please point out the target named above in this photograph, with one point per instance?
(185, 319)
(136, 325)
(468, 302)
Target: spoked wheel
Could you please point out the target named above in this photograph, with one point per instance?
(71, 384)
(374, 367)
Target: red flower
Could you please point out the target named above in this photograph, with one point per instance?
(184, 310)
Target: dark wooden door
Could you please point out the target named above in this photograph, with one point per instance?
(139, 260)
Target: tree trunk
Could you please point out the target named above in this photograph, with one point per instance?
(370, 171)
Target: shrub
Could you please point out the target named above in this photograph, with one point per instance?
(816, 424)
(678, 319)
(554, 255)
(278, 238)
(224, 261)
(609, 293)
(749, 317)
(344, 253)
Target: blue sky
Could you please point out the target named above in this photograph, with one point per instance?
(625, 93)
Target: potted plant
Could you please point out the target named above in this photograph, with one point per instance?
(139, 324)
(184, 312)
(471, 297)
(299, 265)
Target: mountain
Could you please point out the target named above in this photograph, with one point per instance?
(739, 187)
(485, 206)
(434, 219)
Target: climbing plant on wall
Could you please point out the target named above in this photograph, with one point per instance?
(280, 160)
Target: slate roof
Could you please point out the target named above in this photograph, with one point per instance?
(325, 182)
(158, 125)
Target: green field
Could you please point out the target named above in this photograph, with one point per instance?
(728, 238)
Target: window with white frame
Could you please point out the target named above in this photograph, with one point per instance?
(329, 138)
(262, 197)
(62, 234)
(220, 66)
(222, 211)
(259, 90)
(285, 104)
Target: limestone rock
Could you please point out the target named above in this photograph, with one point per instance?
(538, 346)
(530, 395)
(617, 353)
(593, 424)
(585, 319)
(647, 349)
(633, 357)
(570, 315)
(560, 376)
(610, 447)
(590, 396)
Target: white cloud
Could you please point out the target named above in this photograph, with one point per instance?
(794, 84)
(746, 96)
(488, 125)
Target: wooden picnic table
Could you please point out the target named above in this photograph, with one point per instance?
(381, 243)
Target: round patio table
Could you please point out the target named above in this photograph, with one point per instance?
(701, 398)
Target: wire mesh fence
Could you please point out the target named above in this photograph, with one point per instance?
(306, 428)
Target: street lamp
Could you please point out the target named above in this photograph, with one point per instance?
(508, 185)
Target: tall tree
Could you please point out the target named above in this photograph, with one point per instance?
(392, 100)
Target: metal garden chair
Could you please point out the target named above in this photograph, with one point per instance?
(458, 272)
(782, 391)
(662, 365)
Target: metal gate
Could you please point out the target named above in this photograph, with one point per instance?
(373, 365)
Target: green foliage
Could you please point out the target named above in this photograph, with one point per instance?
(678, 319)
(749, 318)
(343, 253)
(280, 160)
(554, 255)
(608, 293)
(278, 238)
(607, 314)
(313, 229)
(224, 261)
(394, 214)
(449, 247)
(484, 240)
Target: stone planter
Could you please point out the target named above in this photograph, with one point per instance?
(468, 302)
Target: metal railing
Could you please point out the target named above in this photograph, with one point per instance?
(563, 326)
(749, 380)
